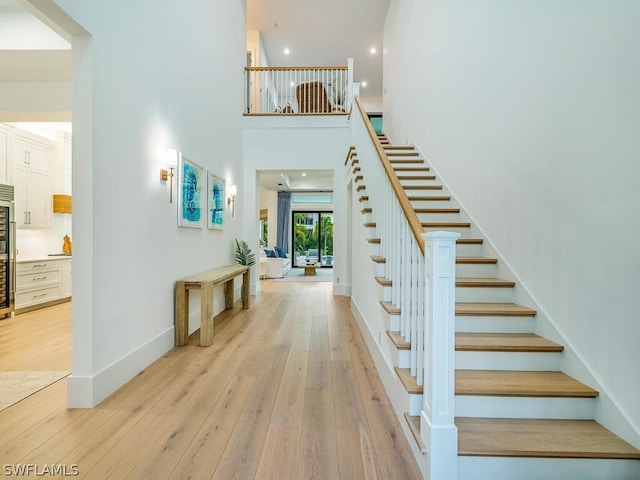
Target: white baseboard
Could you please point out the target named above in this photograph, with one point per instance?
(342, 289)
(89, 391)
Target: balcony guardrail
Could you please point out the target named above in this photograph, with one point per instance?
(298, 90)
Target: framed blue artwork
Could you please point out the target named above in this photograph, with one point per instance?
(190, 193)
(215, 199)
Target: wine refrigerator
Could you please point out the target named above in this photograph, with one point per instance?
(7, 251)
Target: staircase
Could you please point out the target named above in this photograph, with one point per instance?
(518, 416)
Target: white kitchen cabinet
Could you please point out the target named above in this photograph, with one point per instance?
(6, 146)
(66, 277)
(31, 178)
(42, 281)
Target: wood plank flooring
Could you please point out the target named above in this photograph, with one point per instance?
(287, 390)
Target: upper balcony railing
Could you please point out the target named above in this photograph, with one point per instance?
(298, 90)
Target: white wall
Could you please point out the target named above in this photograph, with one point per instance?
(162, 74)
(372, 104)
(530, 112)
(290, 143)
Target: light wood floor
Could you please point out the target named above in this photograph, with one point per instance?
(286, 391)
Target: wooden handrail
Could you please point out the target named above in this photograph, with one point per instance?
(405, 204)
(267, 69)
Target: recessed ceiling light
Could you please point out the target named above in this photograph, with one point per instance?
(291, 84)
(364, 84)
(304, 174)
(287, 51)
(373, 50)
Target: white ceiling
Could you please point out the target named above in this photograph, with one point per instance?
(296, 180)
(325, 33)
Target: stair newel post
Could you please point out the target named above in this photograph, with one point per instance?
(350, 90)
(437, 426)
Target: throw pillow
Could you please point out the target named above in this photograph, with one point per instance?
(270, 254)
(280, 252)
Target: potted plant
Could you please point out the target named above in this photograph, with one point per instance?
(244, 255)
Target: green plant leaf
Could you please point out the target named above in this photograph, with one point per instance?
(244, 256)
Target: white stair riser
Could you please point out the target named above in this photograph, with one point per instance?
(524, 407)
(495, 324)
(374, 249)
(386, 294)
(463, 231)
(424, 180)
(439, 217)
(402, 161)
(404, 359)
(415, 404)
(411, 403)
(465, 250)
(429, 203)
(484, 294)
(475, 270)
(379, 269)
(367, 217)
(391, 322)
(536, 361)
(520, 468)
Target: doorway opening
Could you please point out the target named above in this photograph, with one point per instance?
(312, 238)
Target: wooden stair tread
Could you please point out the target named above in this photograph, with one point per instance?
(370, 224)
(411, 153)
(422, 187)
(398, 340)
(484, 282)
(409, 382)
(416, 160)
(446, 224)
(512, 437)
(358, 178)
(504, 342)
(390, 308)
(493, 309)
(361, 187)
(414, 426)
(416, 177)
(411, 169)
(385, 282)
(378, 259)
(436, 210)
(475, 260)
(364, 198)
(374, 241)
(366, 210)
(520, 384)
(469, 241)
(400, 147)
(441, 198)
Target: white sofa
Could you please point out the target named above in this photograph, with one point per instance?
(275, 267)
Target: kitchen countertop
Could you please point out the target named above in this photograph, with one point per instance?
(43, 258)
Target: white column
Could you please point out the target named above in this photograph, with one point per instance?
(437, 425)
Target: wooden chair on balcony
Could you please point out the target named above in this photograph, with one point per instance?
(312, 98)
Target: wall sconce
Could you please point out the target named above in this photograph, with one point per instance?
(233, 191)
(172, 161)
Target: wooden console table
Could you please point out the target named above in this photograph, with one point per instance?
(205, 282)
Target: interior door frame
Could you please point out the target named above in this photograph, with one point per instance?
(293, 234)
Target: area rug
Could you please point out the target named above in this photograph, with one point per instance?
(297, 275)
(15, 386)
